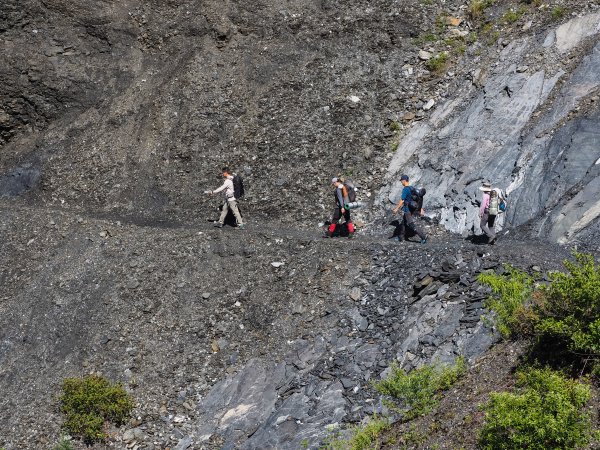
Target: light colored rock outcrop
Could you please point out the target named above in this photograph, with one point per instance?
(533, 132)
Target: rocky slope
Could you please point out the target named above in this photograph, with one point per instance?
(139, 105)
(301, 324)
(115, 117)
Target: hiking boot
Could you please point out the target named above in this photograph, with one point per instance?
(492, 241)
(327, 234)
(424, 241)
(350, 235)
(218, 225)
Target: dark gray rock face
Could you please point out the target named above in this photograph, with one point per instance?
(532, 132)
(19, 181)
(266, 405)
(413, 318)
(43, 44)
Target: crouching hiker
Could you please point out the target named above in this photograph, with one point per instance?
(410, 207)
(341, 200)
(488, 210)
(230, 202)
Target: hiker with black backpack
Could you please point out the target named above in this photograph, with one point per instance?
(233, 190)
(488, 210)
(343, 197)
(411, 205)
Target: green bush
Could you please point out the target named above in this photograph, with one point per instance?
(567, 312)
(562, 316)
(420, 390)
(546, 412)
(90, 402)
(364, 437)
(510, 292)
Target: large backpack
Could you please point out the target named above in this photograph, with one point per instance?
(238, 186)
(494, 206)
(502, 203)
(351, 190)
(415, 202)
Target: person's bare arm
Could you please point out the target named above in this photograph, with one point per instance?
(398, 206)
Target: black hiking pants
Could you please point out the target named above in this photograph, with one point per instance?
(408, 221)
(337, 214)
(487, 225)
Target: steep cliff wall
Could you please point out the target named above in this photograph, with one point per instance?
(529, 122)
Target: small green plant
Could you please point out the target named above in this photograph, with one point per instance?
(413, 437)
(558, 12)
(477, 7)
(426, 39)
(91, 401)
(472, 37)
(512, 15)
(461, 49)
(420, 390)
(395, 126)
(363, 437)
(456, 44)
(347, 173)
(427, 2)
(510, 293)
(487, 28)
(64, 444)
(567, 311)
(438, 62)
(493, 38)
(489, 34)
(546, 412)
(440, 23)
(430, 37)
(394, 146)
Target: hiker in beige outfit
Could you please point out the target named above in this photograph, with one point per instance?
(230, 200)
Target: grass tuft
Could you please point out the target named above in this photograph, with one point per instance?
(366, 436)
(438, 62)
(558, 12)
(419, 391)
